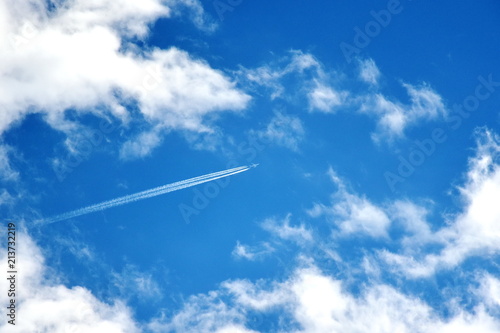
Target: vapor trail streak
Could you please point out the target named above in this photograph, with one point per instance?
(145, 194)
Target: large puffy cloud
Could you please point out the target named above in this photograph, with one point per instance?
(45, 305)
(310, 301)
(79, 55)
(472, 231)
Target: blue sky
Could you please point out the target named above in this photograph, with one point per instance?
(374, 206)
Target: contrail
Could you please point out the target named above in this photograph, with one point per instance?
(146, 194)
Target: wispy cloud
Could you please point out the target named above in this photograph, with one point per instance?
(283, 229)
(283, 130)
(252, 253)
(325, 98)
(353, 214)
(6, 171)
(133, 282)
(302, 78)
(394, 117)
(295, 77)
(6, 198)
(202, 313)
(142, 145)
(369, 72)
(271, 76)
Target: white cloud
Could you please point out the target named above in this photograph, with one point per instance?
(140, 146)
(6, 170)
(283, 130)
(394, 117)
(234, 329)
(264, 76)
(202, 313)
(194, 10)
(6, 198)
(413, 220)
(314, 81)
(132, 282)
(353, 214)
(358, 215)
(44, 305)
(324, 98)
(242, 251)
(369, 72)
(284, 230)
(256, 296)
(296, 62)
(323, 306)
(474, 230)
(301, 61)
(79, 56)
(310, 301)
(489, 291)
(300, 75)
(425, 102)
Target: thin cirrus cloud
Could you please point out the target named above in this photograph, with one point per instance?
(7, 172)
(83, 53)
(313, 81)
(369, 72)
(283, 229)
(301, 76)
(252, 253)
(283, 130)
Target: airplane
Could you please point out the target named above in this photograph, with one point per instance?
(254, 165)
